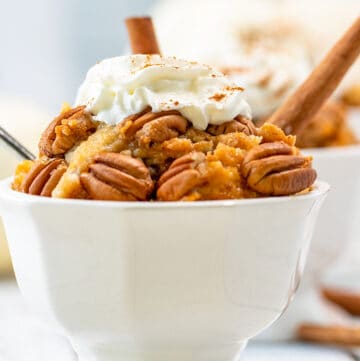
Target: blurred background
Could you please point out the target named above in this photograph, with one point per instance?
(47, 46)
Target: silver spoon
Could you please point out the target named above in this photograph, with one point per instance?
(16, 145)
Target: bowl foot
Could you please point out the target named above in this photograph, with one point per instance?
(228, 353)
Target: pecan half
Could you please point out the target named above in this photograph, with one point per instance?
(239, 124)
(117, 177)
(67, 129)
(157, 127)
(43, 177)
(181, 177)
(274, 169)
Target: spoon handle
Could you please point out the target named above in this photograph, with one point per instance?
(15, 145)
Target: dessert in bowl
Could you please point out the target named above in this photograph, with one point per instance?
(147, 127)
(159, 221)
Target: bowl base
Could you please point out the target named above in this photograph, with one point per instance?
(226, 353)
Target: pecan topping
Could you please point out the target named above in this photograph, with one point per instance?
(43, 177)
(239, 124)
(156, 127)
(274, 169)
(117, 177)
(182, 176)
(67, 129)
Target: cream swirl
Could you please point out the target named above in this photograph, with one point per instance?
(269, 78)
(270, 62)
(118, 87)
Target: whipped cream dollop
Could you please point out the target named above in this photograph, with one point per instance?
(270, 62)
(269, 77)
(256, 44)
(118, 87)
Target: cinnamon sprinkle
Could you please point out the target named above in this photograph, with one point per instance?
(234, 88)
(218, 97)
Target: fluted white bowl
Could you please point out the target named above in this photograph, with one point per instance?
(339, 166)
(189, 281)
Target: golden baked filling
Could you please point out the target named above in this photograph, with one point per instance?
(329, 127)
(351, 95)
(161, 156)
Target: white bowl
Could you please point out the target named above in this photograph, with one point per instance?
(340, 167)
(159, 281)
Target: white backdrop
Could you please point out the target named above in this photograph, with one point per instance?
(48, 45)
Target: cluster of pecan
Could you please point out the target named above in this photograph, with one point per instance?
(271, 168)
(63, 133)
(43, 177)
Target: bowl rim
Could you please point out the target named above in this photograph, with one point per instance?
(320, 188)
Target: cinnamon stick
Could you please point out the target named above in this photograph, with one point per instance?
(142, 35)
(348, 300)
(301, 106)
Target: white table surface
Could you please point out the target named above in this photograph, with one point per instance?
(24, 338)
